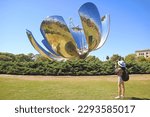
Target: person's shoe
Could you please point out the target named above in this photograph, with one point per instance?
(118, 97)
(122, 96)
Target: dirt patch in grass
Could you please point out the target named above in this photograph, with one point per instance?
(111, 78)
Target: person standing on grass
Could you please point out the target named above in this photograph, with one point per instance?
(119, 71)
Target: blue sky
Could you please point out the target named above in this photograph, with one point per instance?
(129, 29)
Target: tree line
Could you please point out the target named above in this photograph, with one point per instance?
(31, 64)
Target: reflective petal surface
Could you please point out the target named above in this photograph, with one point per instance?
(80, 40)
(91, 23)
(65, 43)
(106, 28)
(41, 50)
(46, 44)
(59, 37)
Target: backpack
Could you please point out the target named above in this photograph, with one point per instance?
(125, 74)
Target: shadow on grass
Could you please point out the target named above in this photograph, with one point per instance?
(137, 98)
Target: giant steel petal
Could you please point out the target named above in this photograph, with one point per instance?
(59, 37)
(80, 40)
(106, 29)
(41, 50)
(91, 23)
(46, 44)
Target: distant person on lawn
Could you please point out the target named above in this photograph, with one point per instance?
(119, 71)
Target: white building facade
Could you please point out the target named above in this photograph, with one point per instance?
(145, 53)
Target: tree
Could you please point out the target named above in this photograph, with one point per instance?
(25, 64)
(116, 57)
(92, 58)
(148, 59)
(23, 58)
(130, 58)
(7, 57)
(107, 58)
(31, 56)
(140, 59)
(40, 58)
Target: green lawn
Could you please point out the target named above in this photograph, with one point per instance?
(71, 87)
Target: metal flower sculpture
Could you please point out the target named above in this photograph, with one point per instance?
(65, 43)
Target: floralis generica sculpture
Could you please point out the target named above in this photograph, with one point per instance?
(64, 43)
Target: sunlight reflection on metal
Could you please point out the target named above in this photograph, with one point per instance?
(59, 37)
(41, 50)
(63, 43)
(106, 28)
